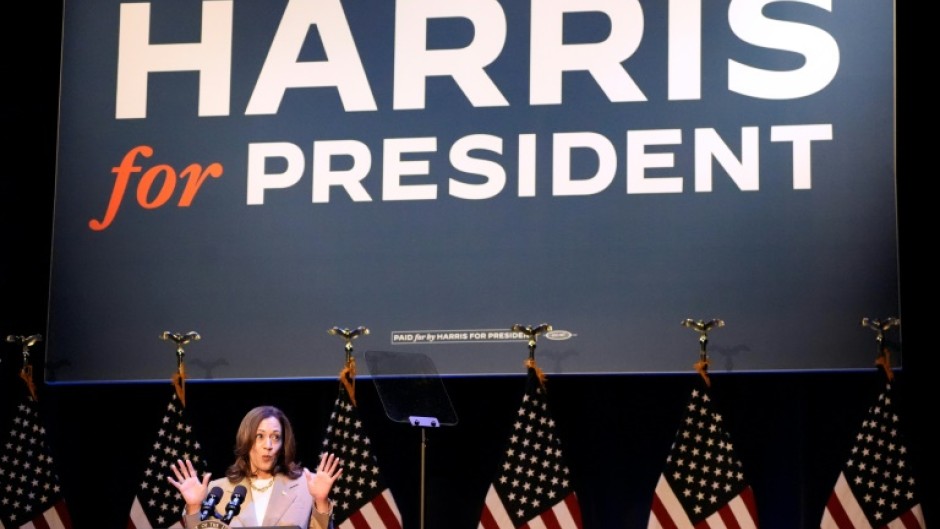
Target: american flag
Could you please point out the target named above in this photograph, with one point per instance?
(363, 501)
(876, 487)
(30, 494)
(532, 488)
(703, 485)
(157, 502)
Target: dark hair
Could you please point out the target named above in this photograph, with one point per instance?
(245, 440)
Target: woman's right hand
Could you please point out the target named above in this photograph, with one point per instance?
(187, 481)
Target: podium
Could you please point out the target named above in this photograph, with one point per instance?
(412, 392)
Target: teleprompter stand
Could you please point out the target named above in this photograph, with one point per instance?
(412, 392)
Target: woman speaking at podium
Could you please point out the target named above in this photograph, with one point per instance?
(265, 486)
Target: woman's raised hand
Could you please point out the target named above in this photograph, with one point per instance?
(191, 487)
(320, 483)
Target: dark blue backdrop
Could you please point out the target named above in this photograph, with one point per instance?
(791, 263)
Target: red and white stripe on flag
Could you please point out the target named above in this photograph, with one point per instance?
(565, 514)
(380, 513)
(844, 512)
(667, 512)
(55, 517)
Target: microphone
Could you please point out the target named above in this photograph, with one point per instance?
(208, 504)
(235, 504)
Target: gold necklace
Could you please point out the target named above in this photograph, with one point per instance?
(260, 489)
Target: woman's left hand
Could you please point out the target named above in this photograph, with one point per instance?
(320, 483)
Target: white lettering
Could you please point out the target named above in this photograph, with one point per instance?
(212, 58)
(342, 69)
(527, 165)
(820, 50)
(259, 179)
(550, 57)
(414, 63)
(638, 160)
(493, 173)
(347, 164)
(394, 168)
(745, 173)
(324, 176)
(802, 137)
(564, 143)
(685, 50)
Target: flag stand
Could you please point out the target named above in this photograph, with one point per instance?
(703, 482)
(32, 494)
(888, 497)
(173, 438)
(412, 392)
(360, 492)
(533, 461)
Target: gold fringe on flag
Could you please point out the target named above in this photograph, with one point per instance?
(702, 367)
(348, 377)
(884, 360)
(884, 352)
(27, 375)
(179, 382)
(530, 363)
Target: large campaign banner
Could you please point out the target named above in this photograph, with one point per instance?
(437, 171)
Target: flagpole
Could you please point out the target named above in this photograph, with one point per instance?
(703, 482)
(179, 378)
(361, 490)
(533, 334)
(552, 501)
(884, 352)
(348, 375)
(26, 373)
(37, 499)
(702, 327)
(888, 497)
(174, 438)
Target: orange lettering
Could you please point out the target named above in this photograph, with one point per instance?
(123, 173)
(196, 178)
(148, 184)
